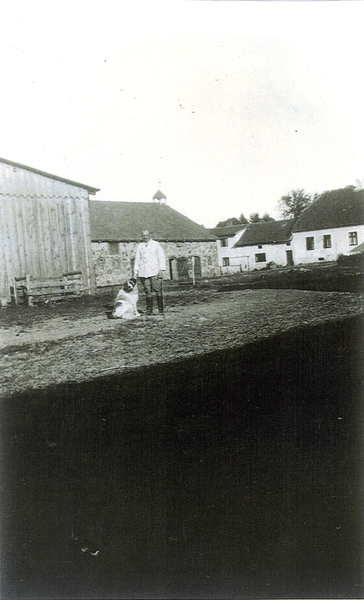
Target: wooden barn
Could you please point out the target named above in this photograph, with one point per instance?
(44, 228)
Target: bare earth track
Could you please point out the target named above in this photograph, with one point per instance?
(75, 342)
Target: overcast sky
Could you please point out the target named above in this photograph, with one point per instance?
(230, 105)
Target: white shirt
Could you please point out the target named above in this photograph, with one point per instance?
(149, 259)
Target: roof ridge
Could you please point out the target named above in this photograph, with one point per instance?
(332, 209)
(125, 221)
(39, 195)
(92, 190)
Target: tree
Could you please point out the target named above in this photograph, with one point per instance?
(254, 218)
(293, 204)
(228, 222)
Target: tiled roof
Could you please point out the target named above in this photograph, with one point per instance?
(358, 249)
(266, 232)
(30, 184)
(228, 231)
(124, 222)
(338, 208)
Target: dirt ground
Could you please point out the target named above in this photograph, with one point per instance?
(228, 466)
(74, 341)
(234, 474)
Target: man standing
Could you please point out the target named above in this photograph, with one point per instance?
(150, 262)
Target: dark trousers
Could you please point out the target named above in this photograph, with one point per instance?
(150, 285)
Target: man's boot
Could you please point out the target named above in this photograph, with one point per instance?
(160, 304)
(149, 306)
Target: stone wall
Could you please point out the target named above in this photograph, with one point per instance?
(113, 263)
(112, 269)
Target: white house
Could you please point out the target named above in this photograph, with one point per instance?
(229, 258)
(330, 226)
(265, 243)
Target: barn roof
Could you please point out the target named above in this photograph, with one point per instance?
(266, 232)
(338, 208)
(358, 249)
(124, 222)
(91, 190)
(228, 231)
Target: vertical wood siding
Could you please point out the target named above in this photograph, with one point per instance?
(44, 237)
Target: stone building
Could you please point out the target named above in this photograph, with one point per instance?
(191, 250)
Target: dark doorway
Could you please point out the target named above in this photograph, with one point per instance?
(289, 254)
(182, 268)
(173, 268)
(197, 267)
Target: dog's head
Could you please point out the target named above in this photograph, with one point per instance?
(129, 285)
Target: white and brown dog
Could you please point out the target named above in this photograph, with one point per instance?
(126, 301)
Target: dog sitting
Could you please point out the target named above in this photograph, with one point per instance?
(126, 301)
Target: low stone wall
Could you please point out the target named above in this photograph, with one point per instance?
(113, 268)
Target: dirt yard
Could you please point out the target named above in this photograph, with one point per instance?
(228, 466)
(74, 341)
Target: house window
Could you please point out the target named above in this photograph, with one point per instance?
(353, 238)
(288, 243)
(224, 242)
(260, 257)
(310, 243)
(226, 261)
(326, 241)
(260, 246)
(113, 248)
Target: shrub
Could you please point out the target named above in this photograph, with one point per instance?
(351, 260)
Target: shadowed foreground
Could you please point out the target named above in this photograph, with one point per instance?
(236, 474)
